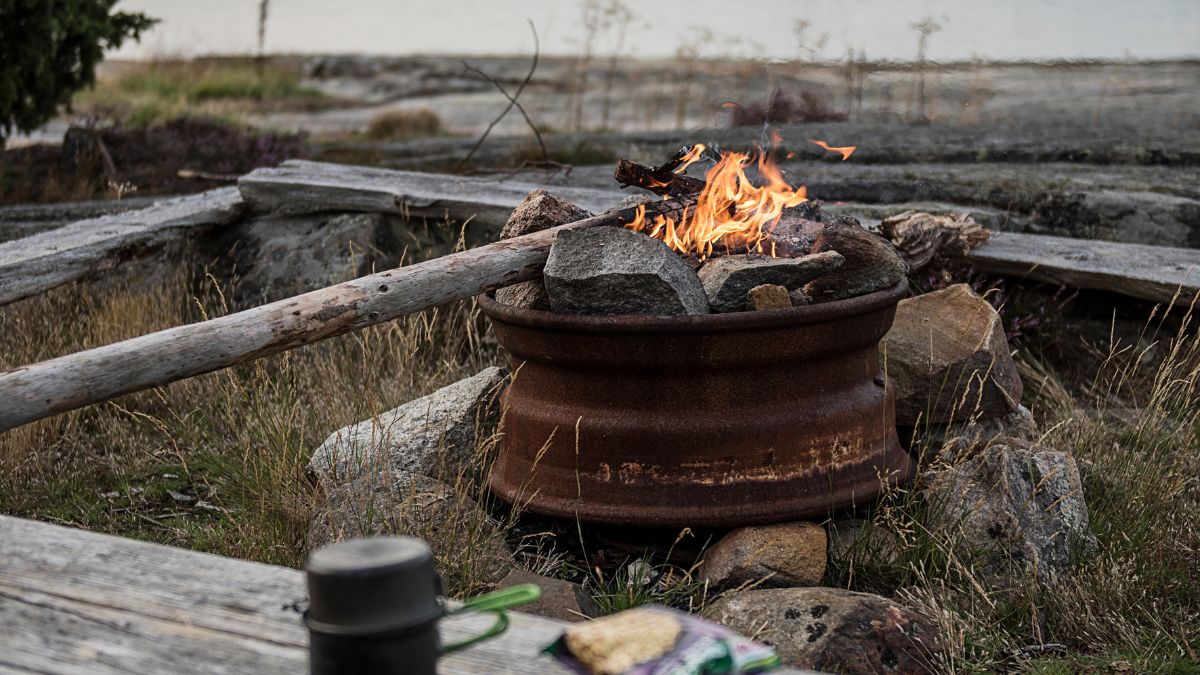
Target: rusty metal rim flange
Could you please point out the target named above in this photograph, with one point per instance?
(731, 321)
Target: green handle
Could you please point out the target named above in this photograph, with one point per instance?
(495, 602)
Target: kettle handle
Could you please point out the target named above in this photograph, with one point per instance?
(495, 602)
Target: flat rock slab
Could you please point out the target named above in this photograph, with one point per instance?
(833, 630)
(611, 270)
(281, 256)
(434, 436)
(728, 279)
(789, 554)
(949, 360)
(87, 248)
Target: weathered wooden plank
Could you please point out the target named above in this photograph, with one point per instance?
(24, 220)
(74, 601)
(85, 248)
(299, 186)
(79, 602)
(1157, 273)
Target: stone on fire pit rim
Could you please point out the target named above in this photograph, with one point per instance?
(636, 275)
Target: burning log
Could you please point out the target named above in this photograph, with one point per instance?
(74, 381)
(666, 179)
(736, 216)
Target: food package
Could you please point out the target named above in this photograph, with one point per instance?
(655, 640)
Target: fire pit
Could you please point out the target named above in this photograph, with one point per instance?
(709, 420)
(713, 363)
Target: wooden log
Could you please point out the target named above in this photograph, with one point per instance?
(1156, 273)
(298, 186)
(88, 247)
(68, 382)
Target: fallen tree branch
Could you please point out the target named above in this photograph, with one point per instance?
(74, 381)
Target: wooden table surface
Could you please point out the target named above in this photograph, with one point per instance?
(79, 602)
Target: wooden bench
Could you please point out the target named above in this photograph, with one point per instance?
(79, 602)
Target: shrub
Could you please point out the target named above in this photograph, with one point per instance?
(781, 108)
(394, 125)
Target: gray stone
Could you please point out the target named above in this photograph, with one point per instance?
(1012, 507)
(855, 541)
(948, 358)
(435, 436)
(727, 279)
(468, 544)
(833, 630)
(539, 211)
(946, 441)
(799, 298)
(793, 236)
(611, 270)
(768, 296)
(281, 256)
(872, 263)
(562, 600)
(788, 554)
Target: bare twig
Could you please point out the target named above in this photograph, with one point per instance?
(512, 102)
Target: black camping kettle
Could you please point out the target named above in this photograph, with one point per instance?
(374, 606)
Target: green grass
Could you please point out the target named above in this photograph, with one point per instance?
(217, 87)
(225, 79)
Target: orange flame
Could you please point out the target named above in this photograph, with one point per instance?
(730, 210)
(845, 151)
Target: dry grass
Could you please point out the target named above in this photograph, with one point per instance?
(214, 463)
(1136, 602)
(217, 462)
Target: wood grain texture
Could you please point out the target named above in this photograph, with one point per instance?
(299, 186)
(1157, 273)
(86, 248)
(73, 381)
(79, 602)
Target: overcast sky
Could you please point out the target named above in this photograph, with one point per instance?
(992, 29)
